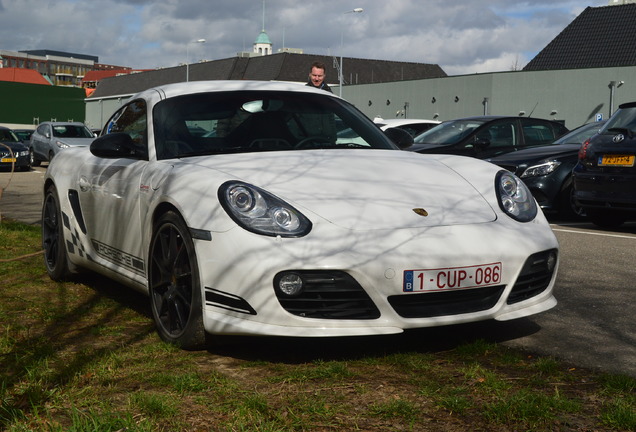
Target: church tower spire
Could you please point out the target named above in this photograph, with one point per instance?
(262, 44)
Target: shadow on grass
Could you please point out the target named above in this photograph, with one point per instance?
(429, 340)
(63, 342)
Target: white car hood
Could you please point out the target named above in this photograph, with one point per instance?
(362, 189)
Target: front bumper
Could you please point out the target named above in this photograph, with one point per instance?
(19, 161)
(238, 270)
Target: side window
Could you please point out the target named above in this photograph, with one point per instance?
(502, 134)
(537, 133)
(42, 129)
(131, 119)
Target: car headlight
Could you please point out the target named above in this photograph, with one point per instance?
(61, 144)
(260, 212)
(540, 169)
(514, 197)
(23, 153)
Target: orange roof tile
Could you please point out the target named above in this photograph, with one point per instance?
(21, 75)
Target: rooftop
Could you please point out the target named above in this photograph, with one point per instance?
(599, 37)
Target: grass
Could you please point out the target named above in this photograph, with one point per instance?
(83, 356)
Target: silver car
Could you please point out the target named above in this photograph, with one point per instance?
(51, 137)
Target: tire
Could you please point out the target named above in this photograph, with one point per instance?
(174, 286)
(55, 257)
(568, 209)
(606, 218)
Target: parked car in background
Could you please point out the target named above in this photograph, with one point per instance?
(605, 176)
(23, 135)
(49, 138)
(487, 136)
(547, 170)
(278, 225)
(412, 126)
(13, 152)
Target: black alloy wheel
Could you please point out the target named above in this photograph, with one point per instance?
(567, 206)
(55, 257)
(175, 291)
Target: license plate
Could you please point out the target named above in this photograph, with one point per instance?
(452, 278)
(616, 160)
(7, 160)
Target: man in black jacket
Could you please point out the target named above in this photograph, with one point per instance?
(317, 77)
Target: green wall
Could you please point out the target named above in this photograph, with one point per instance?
(21, 103)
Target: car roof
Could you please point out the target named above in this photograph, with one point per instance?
(403, 121)
(61, 123)
(499, 117)
(182, 88)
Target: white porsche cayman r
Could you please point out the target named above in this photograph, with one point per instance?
(239, 209)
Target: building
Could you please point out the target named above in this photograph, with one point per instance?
(43, 85)
(21, 75)
(582, 75)
(284, 66)
(59, 68)
(597, 38)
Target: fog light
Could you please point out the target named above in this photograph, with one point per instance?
(290, 284)
(551, 261)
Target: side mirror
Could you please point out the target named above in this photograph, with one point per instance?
(114, 145)
(400, 137)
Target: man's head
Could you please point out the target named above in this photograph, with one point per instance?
(317, 74)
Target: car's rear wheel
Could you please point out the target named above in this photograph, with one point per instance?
(175, 290)
(607, 218)
(55, 257)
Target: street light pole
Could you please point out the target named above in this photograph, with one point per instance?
(188, 57)
(340, 77)
(613, 85)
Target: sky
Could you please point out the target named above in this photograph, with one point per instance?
(461, 36)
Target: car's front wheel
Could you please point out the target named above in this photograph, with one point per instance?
(55, 257)
(175, 291)
(568, 207)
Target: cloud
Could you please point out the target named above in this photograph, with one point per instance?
(461, 36)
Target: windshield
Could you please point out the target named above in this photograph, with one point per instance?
(450, 132)
(247, 121)
(580, 134)
(7, 135)
(623, 120)
(71, 131)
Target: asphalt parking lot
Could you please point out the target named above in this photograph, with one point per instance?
(592, 326)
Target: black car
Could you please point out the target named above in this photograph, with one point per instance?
(605, 176)
(547, 170)
(487, 136)
(13, 153)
